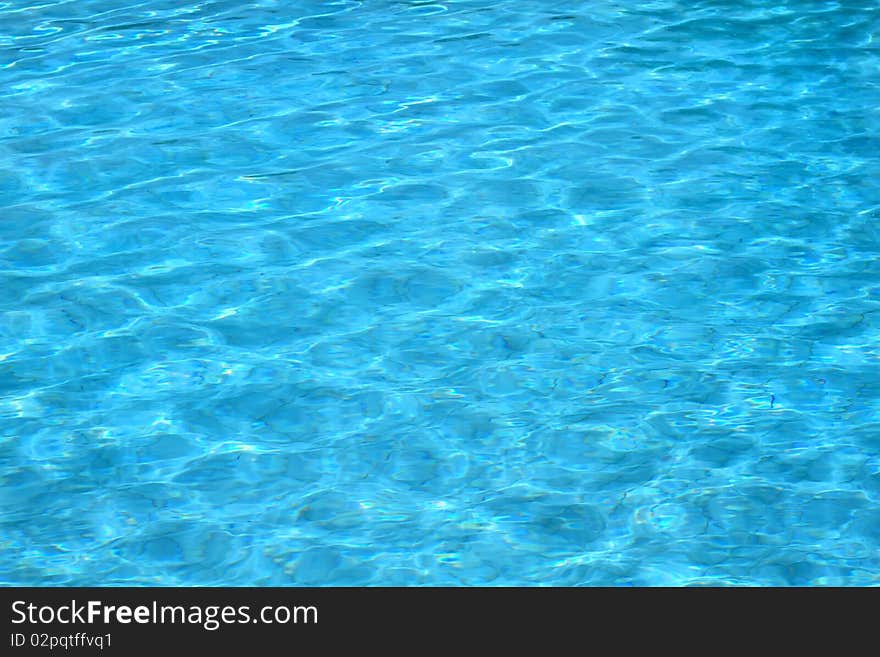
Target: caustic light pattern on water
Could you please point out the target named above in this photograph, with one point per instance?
(508, 292)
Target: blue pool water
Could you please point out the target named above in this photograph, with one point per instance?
(502, 292)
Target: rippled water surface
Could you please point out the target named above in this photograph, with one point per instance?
(480, 292)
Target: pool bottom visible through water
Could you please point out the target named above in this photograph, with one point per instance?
(439, 293)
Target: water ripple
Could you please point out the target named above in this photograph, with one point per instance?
(439, 293)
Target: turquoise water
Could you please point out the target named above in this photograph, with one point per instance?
(507, 292)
